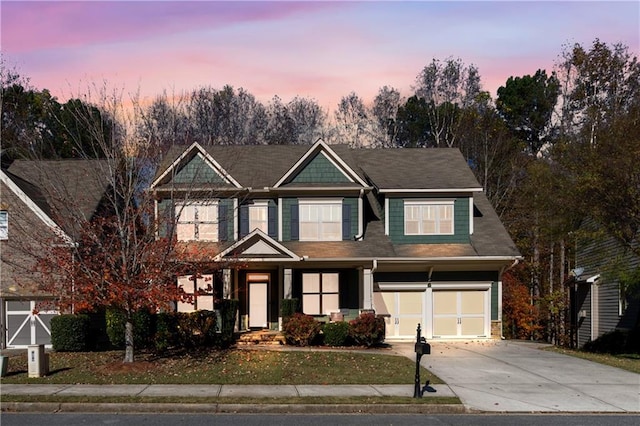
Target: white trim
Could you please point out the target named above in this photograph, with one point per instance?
(321, 146)
(216, 166)
(361, 214)
(471, 215)
(279, 218)
(386, 216)
(236, 229)
(428, 190)
(263, 237)
(461, 285)
(34, 208)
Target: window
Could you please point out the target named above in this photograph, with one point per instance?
(428, 218)
(197, 221)
(4, 225)
(320, 220)
(320, 293)
(258, 217)
(200, 288)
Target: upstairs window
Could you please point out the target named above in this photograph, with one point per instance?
(320, 220)
(197, 221)
(428, 217)
(259, 217)
(4, 225)
(320, 293)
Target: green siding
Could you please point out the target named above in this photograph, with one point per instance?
(460, 227)
(320, 170)
(197, 171)
(353, 202)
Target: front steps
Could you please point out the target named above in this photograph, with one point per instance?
(261, 337)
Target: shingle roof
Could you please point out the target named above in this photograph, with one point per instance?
(62, 188)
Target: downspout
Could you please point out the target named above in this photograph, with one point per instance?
(360, 218)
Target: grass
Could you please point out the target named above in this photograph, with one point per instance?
(629, 362)
(232, 366)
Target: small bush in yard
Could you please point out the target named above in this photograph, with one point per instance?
(367, 329)
(300, 329)
(288, 308)
(336, 333)
(197, 329)
(69, 333)
(143, 327)
(228, 311)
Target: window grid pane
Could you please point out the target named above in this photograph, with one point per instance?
(320, 222)
(4, 225)
(428, 219)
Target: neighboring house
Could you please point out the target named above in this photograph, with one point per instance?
(41, 204)
(407, 233)
(598, 301)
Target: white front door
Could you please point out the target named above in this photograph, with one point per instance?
(460, 313)
(258, 294)
(404, 310)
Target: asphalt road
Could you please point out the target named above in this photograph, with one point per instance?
(72, 419)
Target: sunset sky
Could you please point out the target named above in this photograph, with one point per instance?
(321, 50)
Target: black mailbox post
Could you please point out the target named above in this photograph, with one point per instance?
(421, 348)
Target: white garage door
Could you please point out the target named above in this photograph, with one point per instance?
(460, 313)
(403, 311)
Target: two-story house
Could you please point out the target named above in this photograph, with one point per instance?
(40, 203)
(407, 233)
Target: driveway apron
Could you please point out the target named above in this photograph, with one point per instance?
(513, 376)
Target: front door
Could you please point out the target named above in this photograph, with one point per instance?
(258, 300)
(459, 313)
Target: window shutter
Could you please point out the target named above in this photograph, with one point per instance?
(272, 218)
(295, 223)
(244, 220)
(346, 221)
(222, 222)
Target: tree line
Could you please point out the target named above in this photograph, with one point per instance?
(553, 149)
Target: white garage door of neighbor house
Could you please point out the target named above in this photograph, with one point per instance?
(402, 310)
(26, 325)
(460, 313)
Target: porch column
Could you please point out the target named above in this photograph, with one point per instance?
(287, 285)
(367, 289)
(226, 283)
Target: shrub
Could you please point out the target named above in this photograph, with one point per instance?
(143, 327)
(69, 333)
(166, 335)
(300, 329)
(228, 310)
(288, 307)
(614, 342)
(336, 333)
(197, 329)
(367, 329)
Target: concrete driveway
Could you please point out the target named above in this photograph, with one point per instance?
(514, 376)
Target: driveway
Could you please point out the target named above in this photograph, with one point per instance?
(520, 377)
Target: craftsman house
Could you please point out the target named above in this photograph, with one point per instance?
(40, 204)
(407, 233)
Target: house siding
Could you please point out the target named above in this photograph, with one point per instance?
(286, 215)
(197, 171)
(320, 170)
(460, 227)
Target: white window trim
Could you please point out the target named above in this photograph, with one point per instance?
(179, 206)
(260, 204)
(420, 203)
(4, 225)
(319, 202)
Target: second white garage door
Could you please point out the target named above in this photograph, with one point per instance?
(460, 313)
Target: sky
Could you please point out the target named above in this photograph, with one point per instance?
(320, 50)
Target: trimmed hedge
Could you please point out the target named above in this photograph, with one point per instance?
(614, 342)
(69, 333)
(288, 307)
(143, 328)
(228, 310)
(336, 333)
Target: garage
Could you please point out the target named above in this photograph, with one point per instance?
(460, 313)
(402, 311)
(26, 324)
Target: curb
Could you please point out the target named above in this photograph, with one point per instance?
(71, 407)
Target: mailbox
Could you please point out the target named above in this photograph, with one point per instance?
(423, 348)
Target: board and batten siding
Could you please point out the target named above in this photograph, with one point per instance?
(460, 225)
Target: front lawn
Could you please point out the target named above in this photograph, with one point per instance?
(235, 366)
